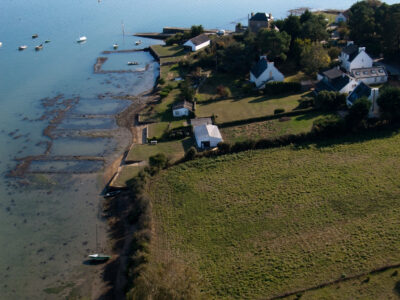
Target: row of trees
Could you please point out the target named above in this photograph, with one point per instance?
(376, 25)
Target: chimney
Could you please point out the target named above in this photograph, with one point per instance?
(361, 49)
(350, 43)
(270, 16)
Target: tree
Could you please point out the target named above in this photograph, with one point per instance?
(330, 101)
(305, 16)
(313, 58)
(274, 43)
(315, 28)
(187, 91)
(292, 26)
(389, 103)
(191, 153)
(358, 112)
(158, 161)
(196, 30)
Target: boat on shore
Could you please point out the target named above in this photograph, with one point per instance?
(99, 257)
(115, 46)
(82, 39)
(132, 63)
(35, 36)
(111, 194)
(23, 47)
(38, 48)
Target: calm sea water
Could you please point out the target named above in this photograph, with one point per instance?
(46, 228)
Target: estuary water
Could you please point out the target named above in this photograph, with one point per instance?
(48, 213)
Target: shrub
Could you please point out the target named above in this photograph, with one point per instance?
(163, 94)
(161, 81)
(358, 112)
(306, 102)
(191, 154)
(223, 91)
(224, 148)
(330, 101)
(158, 161)
(389, 103)
(279, 111)
(328, 126)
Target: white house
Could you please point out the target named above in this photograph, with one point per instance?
(335, 80)
(265, 71)
(354, 57)
(182, 109)
(374, 75)
(197, 42)
(363, 90)
(342, 17)
(207, 136)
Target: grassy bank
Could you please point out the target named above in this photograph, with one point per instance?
(262, 223)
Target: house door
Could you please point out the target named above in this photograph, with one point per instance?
(205, 144)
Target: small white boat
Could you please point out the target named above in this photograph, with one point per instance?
(99, 257)
(132, 63)
(40, 47)
(1, 44)
(82, 39)
(115, 46)
(137, 43)
(20, 48)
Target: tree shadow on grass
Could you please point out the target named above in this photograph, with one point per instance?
(187, 143)
(396, 288)
(266, 98)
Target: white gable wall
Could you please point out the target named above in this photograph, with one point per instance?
(362, 60)
(349, 87)
(198, 47)
(270, 74)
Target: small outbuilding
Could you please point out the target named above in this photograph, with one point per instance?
(265, 71)
(197, 43)
(207, 136)
(342, 17)
(182, 109)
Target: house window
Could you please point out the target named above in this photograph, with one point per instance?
(375, 79)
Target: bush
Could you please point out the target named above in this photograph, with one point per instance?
(279, 111)
(306, 102)
(389, 103)
(358, 112)
(330, 101)
(163, 94)
(158, 161)
(161, 81)
(277, 88)
(191, 154)
(328, 126)
(224, 148)
(223, 91)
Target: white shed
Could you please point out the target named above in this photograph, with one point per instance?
(265, 71)
(197, 42)
(207, 136)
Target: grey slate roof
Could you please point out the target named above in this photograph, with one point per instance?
(260, 17)
(362, 90)
(260, 67)
(333, 85)
(351, 50)
(333, 73)
(200, 39)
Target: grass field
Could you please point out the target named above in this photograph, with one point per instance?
(261, 223)
(126, 173)
(156, 130)
(166, 51)
(249, 107)
(208, 89)
(270, 129)
(174, 150)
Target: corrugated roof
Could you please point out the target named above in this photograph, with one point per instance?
(203, 132)
(200, 39)
(260, 67)
(362, 90)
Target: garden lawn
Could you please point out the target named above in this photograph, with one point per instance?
(270, 128)
(249, 107)
(156, 130)
(126, 173)
(166, 51)
(261, 223)
(208, 90)
(174, 150)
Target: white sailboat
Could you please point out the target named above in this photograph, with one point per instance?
(82, 39)
(1, 44)
(98, 256)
